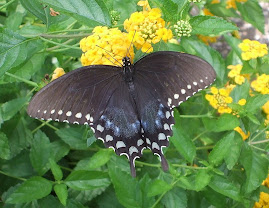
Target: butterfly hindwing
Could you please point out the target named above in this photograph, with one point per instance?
(156, 119)
(119, 126)
(78, 97)
(177, 76)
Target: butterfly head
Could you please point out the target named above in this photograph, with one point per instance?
(126, 61)
(128, 69)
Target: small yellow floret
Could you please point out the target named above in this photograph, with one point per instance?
(57, 73)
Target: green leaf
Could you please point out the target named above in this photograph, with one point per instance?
(216, 199)
(27, 69)
(182, 141)
(56, 170)
(233, 42)
(97, 160)
(128, 195)
(255, 103)
(158, 187)
(233, 155)
(32, 189)
(90, 13)
(202, 179)
(221, 149)
(240, 92)
(38, 9)
(40, 152)
(61, 192)
(210, 25)
(15, 49)
(169, 8)
(19, 136)
(10, 108)
(222, 185)
(247, 9)
(87, 180)
(175, 198)
(4, 147)
(207, 53)
(224, 123)
(256, 167)
(74, 137)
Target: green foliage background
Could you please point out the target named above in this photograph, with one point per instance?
(50, 164)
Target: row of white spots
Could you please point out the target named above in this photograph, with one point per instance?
(69, 113)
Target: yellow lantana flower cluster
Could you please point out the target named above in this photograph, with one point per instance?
(235, 73)
(252, 49)
(220, 99)
(261, 84)
(58, 72)
(105, 46)
(146, 28)
(232, 3)
(263, 202)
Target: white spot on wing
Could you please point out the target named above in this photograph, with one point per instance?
(148, 141)
(88, 116)
(140, 142)
(78, 115)
(183, 91)
(201, 80)
(176, 96)
(45, 111)
(167, 114)
(195, 83)
(101, 139)
(69, 113)
(189, 87)
(60, 112)
(109, 138)
(100, 128)
(120, 144)
(155, 146)
(166, 127)
(132, 150)
(161, 136)
(52, 111)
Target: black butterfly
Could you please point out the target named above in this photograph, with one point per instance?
(129, 108)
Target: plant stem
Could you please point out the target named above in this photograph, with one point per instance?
(7, 174)
(56, 47)
(197, 137)
(148, 164)
(250, 141)
(196, 116)
(8, 3)
(60, 44)
(22, 79)
(189, 167)
(160, 198)
(205, 147)
(259, 142)
(65, 36)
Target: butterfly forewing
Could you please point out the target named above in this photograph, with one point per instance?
(174, 77)
(78, 97)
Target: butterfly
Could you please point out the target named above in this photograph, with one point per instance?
(129, 108)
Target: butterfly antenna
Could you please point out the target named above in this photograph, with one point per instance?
(128, 50)
(109, 55)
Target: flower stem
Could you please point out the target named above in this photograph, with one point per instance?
(60, 44)
(8, 3)
(22, 79)
(259, 142)
(250, 141)
(197, 116)
(7, 174)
